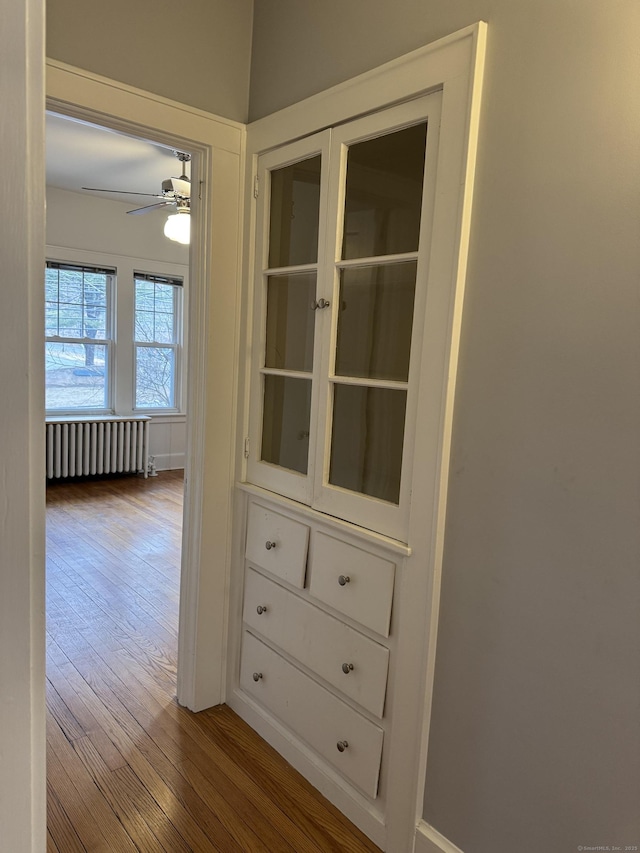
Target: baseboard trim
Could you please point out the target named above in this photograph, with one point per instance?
(168, 461)
(429, 840)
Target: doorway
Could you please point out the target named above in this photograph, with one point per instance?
(116, 305)
(214, 269)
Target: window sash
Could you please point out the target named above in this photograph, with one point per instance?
(78, 375)
(152, 312)
(173, 386)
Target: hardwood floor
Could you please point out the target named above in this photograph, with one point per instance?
(128, 769)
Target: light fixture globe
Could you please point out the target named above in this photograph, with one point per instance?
(178, 227)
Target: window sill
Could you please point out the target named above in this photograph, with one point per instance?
(165, 417)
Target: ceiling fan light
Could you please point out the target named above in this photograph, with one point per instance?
(178, 227)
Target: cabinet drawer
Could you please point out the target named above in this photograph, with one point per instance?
(319, 641)
(277, 543)
(356, 582)
(317, 716)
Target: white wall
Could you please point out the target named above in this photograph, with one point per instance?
(91, 230)
(195, 53)
(22, 704)
(534, 742)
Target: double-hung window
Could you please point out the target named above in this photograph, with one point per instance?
(78, 337)
(157, 341)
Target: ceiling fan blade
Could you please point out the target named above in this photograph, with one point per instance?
(150, 207)
(121, 192)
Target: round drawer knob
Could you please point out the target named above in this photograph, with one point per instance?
(260, 609)
(347, 668)
(257, 676)
(344, 579)
(342, 745)
(269, 545)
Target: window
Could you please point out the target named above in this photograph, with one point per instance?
(158, 306)
(78, 337)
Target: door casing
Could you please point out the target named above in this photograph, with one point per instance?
(217, 145)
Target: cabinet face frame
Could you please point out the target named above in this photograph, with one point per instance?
(453, 66)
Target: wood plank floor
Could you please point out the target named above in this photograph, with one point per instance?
(128, 769)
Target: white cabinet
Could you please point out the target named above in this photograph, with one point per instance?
(358, 231)
(315, 649)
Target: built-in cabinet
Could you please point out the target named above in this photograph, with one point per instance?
(315, 645)
(351, 328)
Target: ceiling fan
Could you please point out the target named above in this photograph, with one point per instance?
(175, 191)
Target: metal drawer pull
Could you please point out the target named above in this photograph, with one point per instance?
(269, 545)
(257, 676)
(344, 579)
(260, 609)
(347, 668)
(321, 303)
(342, 745)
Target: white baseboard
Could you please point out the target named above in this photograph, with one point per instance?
(168, 461)
(429, 840)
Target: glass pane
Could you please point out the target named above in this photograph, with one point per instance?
(144, 296)
(76, 376)
(70, 321)
(95, 320)
(366, 442)
(295, 213)
(95, 290)
(144, 326)
(155, 374)
(285, 428)
(51, 285)
(51, 318)
(384, 194)
(375, 320)
(290, 321)
(164, 328)
(71, 286)
(164, 297)
(155, 306)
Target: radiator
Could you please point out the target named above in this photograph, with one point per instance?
(79, 447)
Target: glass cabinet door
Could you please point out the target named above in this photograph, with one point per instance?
(340, 281)
(381, 224)
(381, 192)
(291, 206)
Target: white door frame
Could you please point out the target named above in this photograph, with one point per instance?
(22, 695)
(215, 261)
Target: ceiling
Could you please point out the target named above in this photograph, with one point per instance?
(80, 154)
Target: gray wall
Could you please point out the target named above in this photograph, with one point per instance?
(196, 52)
(534, 743)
